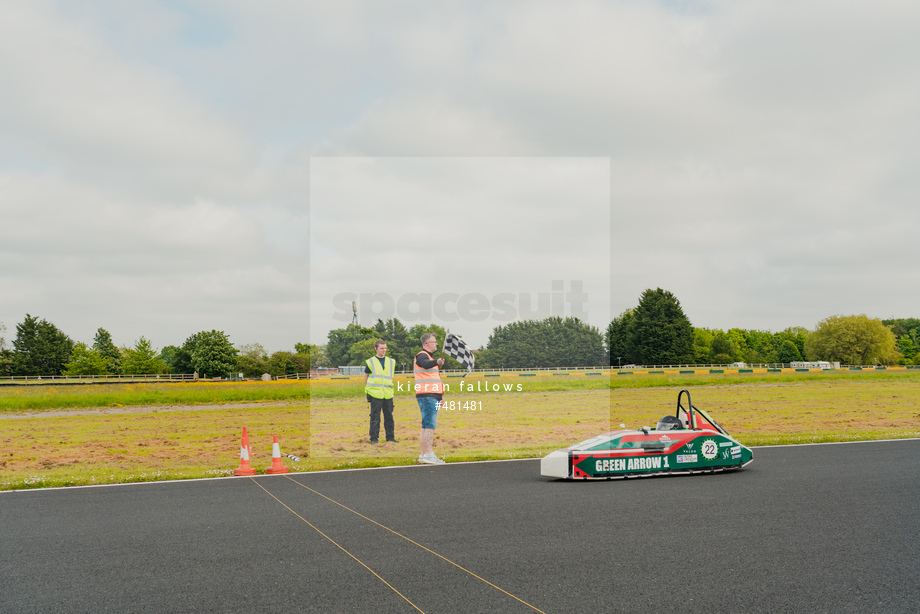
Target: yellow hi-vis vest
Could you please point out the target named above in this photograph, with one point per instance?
(380, 381)
(427, 381)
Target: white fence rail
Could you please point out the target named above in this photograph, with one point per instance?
(611, 369)
(97, 379)
(461, 372)
(190, 377)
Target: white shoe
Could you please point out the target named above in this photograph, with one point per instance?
(430, 458)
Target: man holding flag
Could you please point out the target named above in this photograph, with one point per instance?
(429, 389)
(428, 392)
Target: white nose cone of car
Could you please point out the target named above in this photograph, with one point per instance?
(555, 464)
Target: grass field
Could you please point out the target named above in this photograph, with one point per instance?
(20, 398)
(57, 436)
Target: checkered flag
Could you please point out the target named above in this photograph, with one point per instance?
(456, 348)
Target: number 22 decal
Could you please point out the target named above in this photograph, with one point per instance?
(710, 449)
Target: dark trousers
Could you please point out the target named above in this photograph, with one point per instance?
(387, 406)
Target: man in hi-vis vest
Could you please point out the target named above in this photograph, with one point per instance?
(378, 386)
(428, 393)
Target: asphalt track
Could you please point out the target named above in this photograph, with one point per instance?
(831, 528)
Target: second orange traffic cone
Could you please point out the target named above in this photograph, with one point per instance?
(245, 468)
(277, 465)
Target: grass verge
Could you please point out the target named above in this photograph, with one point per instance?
(325, 424)
(40, 398)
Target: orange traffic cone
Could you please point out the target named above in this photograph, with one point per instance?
(245, 468)
(277, 465)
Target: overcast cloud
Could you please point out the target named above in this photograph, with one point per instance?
(171, 167)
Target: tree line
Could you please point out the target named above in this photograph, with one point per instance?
(40, 348)
(655, 332)
(553, 342)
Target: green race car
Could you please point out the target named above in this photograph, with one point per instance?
(688, 442)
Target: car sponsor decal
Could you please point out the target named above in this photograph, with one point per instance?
(584, 465)
(709, 449)
(686, 458)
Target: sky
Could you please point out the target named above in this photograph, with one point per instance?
(171, 167)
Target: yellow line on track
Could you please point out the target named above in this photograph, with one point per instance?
(417, 544)
(337, 545)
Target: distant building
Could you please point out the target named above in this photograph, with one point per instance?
(352, 370)
(323, 372)
(815, 364)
